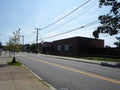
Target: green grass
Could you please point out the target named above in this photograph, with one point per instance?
(103, 59)
(14, 64)
(97, 58)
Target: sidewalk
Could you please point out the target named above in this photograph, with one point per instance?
(18, 78)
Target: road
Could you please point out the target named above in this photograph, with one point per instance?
(72, 75)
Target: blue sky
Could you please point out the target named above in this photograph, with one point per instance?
(28, 14)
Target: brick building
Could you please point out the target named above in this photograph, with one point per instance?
(73, 46)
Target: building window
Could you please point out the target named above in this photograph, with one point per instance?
(67, 47)
(58, 48)
(70, 47)
(64, 48)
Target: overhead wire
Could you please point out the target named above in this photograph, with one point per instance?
(78, 28)
(27, 37)
(33, 33)
(66, 15)
(78, 15)
(32, 41)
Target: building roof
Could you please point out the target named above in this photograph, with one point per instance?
(78, 37)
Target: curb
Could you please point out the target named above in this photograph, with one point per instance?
(39, 78)
(78, 60)
(103, 63)
(65, 58)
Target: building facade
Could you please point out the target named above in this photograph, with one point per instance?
(74, 46)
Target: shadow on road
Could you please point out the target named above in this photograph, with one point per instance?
(110, 65)
(4, 57)
(3, 65)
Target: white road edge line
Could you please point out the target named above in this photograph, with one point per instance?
(39, 78)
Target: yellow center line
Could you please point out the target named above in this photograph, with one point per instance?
(78, 71)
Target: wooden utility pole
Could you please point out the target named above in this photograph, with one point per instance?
(37, 33)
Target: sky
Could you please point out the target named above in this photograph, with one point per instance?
(30, 14)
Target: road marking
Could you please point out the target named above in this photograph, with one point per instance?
(78, 71)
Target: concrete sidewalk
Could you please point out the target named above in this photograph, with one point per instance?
(18, 78)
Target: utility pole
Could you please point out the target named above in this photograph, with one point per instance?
(37, 49)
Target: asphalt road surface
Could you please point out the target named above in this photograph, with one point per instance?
(72, 75)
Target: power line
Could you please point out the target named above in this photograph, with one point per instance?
(71, 19)
(33, 33)
(28, 36)
(66, 15)
(33, 41)
(87, 25)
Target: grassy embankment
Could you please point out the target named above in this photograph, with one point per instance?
(103, 59)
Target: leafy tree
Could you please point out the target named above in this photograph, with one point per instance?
(117, 43)
(16, 37)
(111, 21)
(13, 44)
(27, 47)
(33, 48)
(107, 46)
(10, 45)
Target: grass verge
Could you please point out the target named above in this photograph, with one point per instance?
(103, 59)
(14, 64)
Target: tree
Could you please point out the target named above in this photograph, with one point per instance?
(13, 44)
(10, 46)
(27, 47)
(107, 46)
(118, 42)
(33, 48)
(16, 37)
(111, 21)
(16, 41)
